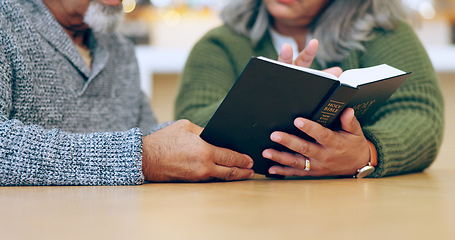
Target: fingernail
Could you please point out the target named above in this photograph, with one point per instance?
(250, 165)
(299, 123)
(267, 155)
(312, 48)
(284, 53)
(275, 137)
(251, 175)
(271, 171)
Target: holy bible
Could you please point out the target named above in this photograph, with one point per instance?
(269, 95)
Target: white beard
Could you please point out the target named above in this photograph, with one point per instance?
(103, 18)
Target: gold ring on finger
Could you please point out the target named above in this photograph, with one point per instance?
(307, 164)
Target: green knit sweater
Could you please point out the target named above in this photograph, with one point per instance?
(407, 131)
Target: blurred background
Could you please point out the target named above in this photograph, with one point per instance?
(165, 30)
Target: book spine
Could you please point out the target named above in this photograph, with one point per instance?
(328, 112)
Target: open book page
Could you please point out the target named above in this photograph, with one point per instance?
(308, 70)
(359, 76)
(352, 77)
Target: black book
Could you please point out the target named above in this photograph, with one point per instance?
(269, 95)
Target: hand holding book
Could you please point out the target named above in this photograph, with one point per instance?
(262, 115)
(333, 153)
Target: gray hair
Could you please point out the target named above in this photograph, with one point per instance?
(103, 18)
(340, 28)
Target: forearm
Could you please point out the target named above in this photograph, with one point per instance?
(31, 155)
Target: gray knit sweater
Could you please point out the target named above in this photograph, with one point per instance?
(60, 122)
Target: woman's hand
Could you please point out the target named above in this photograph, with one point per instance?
(305, 57)
(334, 153)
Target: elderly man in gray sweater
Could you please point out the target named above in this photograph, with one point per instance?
(72, 112)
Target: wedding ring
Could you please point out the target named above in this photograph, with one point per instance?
(307, 164)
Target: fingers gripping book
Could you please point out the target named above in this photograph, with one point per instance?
(269, 95)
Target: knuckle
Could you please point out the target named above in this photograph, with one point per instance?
(202, 173)
(202, 153)
(185, 123)
(232, 174)
(243, 162)
(324, 135)
(304, 149)
(230, 160)
(200, 165)
(295, 163)
(338, 145)
(285, 140)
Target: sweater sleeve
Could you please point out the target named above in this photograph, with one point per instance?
(207, 77)
(408, 129)
(31, 155)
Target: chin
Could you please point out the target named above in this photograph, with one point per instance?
(103, 17)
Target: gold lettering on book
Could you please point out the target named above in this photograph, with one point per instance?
(323, 119)
(329, 111)
(361, 108)
(333, 106)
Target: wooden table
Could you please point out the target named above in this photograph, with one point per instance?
(416, 206)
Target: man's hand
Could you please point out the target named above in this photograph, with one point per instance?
(176, 153)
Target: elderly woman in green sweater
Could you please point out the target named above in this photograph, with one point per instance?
(404, 136)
